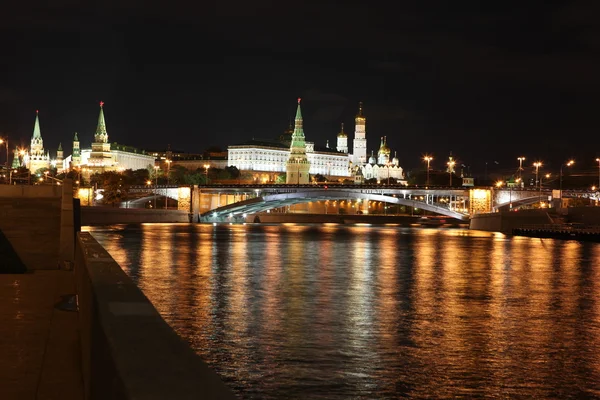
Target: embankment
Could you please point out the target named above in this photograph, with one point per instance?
(114, 215)
(128, 350)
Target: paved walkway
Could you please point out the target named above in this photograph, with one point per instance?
(40, 355)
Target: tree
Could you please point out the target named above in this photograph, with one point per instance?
(281, 178)
(319, 178)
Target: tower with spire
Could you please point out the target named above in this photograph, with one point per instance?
(59, 158)
(37, 158)
(297, 166)
(100, 156)
(76, 158)
(16, 163)
(360, 140)
(342, 141)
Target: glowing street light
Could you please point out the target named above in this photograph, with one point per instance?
(568, 164)
(428, 160)
(521, 159)
(168, 162)
(451, 165)
(537, 166)
(5, 141)
(206, 167)
(598, 159)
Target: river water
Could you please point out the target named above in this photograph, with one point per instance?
(374, 312)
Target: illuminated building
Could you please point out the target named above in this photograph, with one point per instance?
(359, 152)
(105, 156)
(342, 141)
(36, 158)
(297, 166)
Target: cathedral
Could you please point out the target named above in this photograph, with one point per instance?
(300, 158)
(380, 168)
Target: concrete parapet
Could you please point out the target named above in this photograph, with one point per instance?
(128, 350)
(30, 219)
(505, 222)
(112, 215)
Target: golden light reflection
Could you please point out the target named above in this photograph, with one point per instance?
(450, 306)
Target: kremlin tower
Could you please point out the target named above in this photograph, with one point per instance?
(76, 158)
(37, 158)
(342, 141)
(360, 140)
(297, 166)
(100, 155)
(59, 158)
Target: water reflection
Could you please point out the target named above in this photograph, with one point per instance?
(336, 312)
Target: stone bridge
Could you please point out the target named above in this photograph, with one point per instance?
(232, 203)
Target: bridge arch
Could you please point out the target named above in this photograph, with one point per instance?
(271, 201)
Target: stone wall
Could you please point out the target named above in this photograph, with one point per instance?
(114, 215)
(505, 222)
(128, 350)
(30, 221)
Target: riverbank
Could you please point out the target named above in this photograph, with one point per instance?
(404, 220)
(560, 231)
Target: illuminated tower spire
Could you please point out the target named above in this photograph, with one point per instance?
(297, 166)
(16, 163)
(36, 126)
(342, 141)
(37, 157)
(101, 156)
(360, 140)
(101, 136)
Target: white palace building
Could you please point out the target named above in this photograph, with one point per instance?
(272, 156)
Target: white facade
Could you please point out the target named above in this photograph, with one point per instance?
(383, 172)
(273, 159)
(120, 160)
(359, 150)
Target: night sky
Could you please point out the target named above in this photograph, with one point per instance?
(489, 81)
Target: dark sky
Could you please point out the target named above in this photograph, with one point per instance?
(489, 81)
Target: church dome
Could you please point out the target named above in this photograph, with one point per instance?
(372, 159)
(395, 160)
(384, 149)
(342, 134)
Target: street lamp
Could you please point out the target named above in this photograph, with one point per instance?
(387, 164)
(155, 184)
(168, 170)
(568, 164)
(537, 166)
(521, 159)
(5, 141)
(428, 160)
(206, 167)
(451, 165)
(547, 177)
(598, 159)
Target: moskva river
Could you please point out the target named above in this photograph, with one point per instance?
(374, 312)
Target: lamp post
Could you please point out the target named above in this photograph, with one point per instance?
(568, 164)
(168, 169)
(5, 141)
(537, 166)
(451, 165)
(155, 183)
(598, 160)
(387, 164)
(521, 159)
(428, 160)
(206, 167)
(149, 183)
(540, 199)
